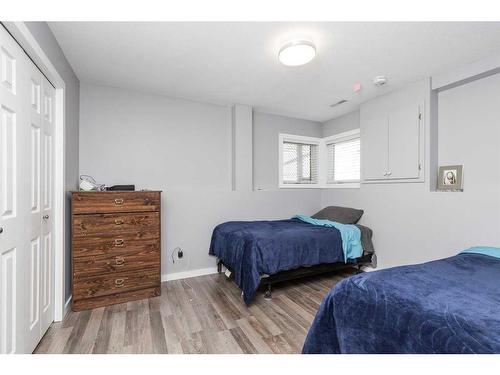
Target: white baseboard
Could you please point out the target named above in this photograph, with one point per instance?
(67, 306)
(188, 274)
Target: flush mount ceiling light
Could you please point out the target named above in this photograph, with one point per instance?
(297, 52)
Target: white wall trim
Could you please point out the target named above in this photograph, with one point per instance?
(24, 37)
(344, 136)
(345, 185)
(188, 274)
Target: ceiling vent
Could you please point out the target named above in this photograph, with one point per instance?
(338, 103)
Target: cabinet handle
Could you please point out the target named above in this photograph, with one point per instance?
(118, 221)
(385, 174)
(119, 201)
(119, 261)
(120, 283)
(119, 242)
(389, 173)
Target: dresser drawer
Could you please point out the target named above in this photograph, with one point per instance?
(84, 267)
(118, 282)
(111, 201)
(126, 243)
(114, 224)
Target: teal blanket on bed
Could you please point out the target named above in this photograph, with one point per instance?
(350, 234)
(490, 251)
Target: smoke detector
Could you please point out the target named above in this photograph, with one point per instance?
(380, 81)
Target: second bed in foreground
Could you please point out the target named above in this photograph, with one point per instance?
(445, 306)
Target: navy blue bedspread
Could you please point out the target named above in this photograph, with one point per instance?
(446, 306)
(253, 248)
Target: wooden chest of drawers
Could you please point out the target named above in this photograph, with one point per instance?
(115, 247)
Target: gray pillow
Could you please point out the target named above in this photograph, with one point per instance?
(344, 215)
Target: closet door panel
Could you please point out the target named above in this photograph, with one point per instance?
(14, 198)
(374, 147)
(26, 194)
(8, 165)
(404, 143)
(32, 102)
(47, 205)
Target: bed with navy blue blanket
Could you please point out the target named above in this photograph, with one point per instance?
(445, 306)
(255, 248)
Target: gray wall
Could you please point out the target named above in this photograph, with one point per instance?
(266, 128)
(48, 43)
(413, 224)
(341, 124)
(183, 148)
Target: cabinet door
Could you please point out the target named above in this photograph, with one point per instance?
(404, 143)
(374, 148)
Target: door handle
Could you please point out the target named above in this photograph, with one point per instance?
(1, 230)
(46, 217)
(389, 173)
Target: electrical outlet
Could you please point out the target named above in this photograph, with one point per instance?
(176, 254)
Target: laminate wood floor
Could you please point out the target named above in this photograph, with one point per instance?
(203, 314)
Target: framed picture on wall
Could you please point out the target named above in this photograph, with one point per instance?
(450, 178)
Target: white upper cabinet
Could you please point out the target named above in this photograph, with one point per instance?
(374, 146)
(404, 143)
(392, 145)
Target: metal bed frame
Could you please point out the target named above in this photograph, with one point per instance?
(298, 273)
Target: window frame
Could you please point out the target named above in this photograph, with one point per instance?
(322, 156)
(313, 141)
(339, 138)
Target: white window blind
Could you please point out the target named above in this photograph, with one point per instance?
(300, 163)
(344, 161)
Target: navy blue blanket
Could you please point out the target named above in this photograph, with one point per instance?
(253, 248)
(446, 306)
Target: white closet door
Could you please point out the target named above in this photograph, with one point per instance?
(14, 243)
(26, 169)
(404, 143)
(374, 148)
(33, 277)
(47, 229)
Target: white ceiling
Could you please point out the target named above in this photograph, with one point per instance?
(229, 63)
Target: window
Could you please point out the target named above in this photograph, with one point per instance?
(299, 160)
(343, 158)
(299, 163)
(343, 161)
(320, 162)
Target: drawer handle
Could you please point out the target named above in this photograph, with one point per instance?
(119, 201)
(119, 242)
(119, 261)
(119, 283)
(118, 221)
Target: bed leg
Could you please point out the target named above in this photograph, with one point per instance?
(219, 266)
(358, 269)
(267, 294)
